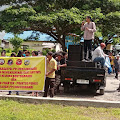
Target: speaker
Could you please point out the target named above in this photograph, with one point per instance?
(75, 53)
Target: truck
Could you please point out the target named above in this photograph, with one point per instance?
(82, 73)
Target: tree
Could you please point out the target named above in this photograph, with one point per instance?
(16, 42)
(63, 20)
(115, 40)
(64, 15)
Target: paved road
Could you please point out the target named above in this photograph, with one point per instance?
(111, 92)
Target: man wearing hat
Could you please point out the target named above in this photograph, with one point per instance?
(60, 63)
(99, 55)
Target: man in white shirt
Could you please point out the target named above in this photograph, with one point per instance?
(89, 29)
(99, 55)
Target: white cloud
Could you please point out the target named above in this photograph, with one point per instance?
(2, 34)
(3, 7)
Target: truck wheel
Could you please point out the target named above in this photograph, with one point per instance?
(102, 91)
(94, 91)
(66, 89)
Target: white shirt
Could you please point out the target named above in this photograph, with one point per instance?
(98, 52)
(89, 34)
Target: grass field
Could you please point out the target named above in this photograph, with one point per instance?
(11, 110)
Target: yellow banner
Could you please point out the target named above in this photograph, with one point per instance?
(22, 73)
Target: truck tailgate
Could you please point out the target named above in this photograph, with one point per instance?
(82, 73)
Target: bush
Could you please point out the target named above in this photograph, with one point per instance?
(8, 50)
(0, 50)
(31, 50)
(8, 54)
(53, 50)
(16, 42)
(45, 51)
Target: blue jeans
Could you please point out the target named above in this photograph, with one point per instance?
(100, 59)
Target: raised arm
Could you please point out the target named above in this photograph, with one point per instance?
(83, 26)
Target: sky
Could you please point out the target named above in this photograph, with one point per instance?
(3, 7)
(27, 34)
(3, 32)
(4, 35)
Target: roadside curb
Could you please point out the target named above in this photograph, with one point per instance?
(63, 101)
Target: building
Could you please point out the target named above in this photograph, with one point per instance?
(33, 40)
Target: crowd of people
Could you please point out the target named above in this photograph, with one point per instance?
(53, 75)
(58, 60)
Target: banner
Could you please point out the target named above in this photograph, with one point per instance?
(22, 73)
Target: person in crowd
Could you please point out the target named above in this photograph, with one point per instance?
(24, 55)
(60, 63)
(119, 70)
(112, 60)
(116, 65)
(99, 55)
(27, 53)
(89, 29)
(20, 53)
(65, 57)
(3, 53)
(55, 55)
(13, 55)
(50, 75)
(39, 53)
(34, 54)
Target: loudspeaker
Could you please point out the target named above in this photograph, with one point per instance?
(75, 53)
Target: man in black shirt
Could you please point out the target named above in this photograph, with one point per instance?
(116, 66)
(60, 63)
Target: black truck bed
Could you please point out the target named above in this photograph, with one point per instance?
(83, 73)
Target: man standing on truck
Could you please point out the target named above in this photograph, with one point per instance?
(99, 55)
(50, 75)
(89, 29)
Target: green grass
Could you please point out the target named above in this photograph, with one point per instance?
(11, 110)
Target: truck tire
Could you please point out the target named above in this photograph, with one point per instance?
(94, 91)
(102, 91)
(66, 87)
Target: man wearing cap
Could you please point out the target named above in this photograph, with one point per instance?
(60, 63)
(99, 55)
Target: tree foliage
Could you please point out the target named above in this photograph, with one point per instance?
(65, 15)
(16, 42)
(116, 40)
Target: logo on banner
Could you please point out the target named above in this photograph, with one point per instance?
(19, 62)
(10, 62)
(27, 62)
(2, 62)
